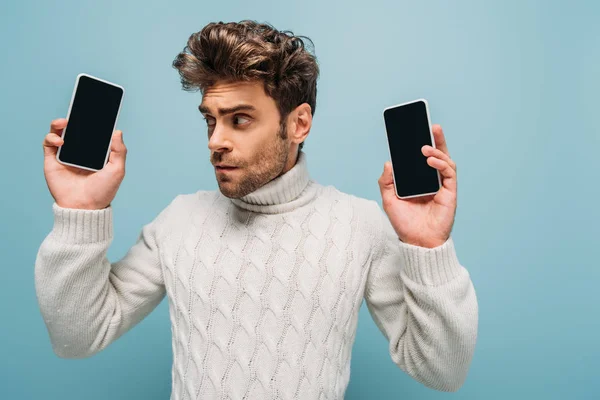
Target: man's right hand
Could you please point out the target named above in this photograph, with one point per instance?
(73, 187)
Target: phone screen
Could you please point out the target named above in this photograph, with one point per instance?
(408, 131)
(90, 124)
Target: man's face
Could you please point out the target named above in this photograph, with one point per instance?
(247, 142)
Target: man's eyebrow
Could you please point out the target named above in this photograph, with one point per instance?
(229, 110)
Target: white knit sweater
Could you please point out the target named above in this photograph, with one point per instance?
(264, 292)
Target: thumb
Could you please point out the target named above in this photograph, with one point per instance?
(118, 151)
(386, 180)
(386, 183)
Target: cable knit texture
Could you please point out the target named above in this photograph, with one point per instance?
(264, 291)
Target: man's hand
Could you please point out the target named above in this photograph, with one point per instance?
(73, 187)
(424, 221)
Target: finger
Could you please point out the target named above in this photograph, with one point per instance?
(448, 174)
(118, 151)
(445, 197)
(386, 179)
(57, 125)
(51, 143)
(439, 138)
(386, 185)
(429, 151)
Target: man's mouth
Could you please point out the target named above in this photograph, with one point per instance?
(223, 167)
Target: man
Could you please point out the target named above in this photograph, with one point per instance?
(265, 277)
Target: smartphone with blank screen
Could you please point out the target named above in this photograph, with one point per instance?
(91, 120)
(408, 129)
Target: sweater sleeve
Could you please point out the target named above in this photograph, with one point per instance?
(424, 303)
(86, 301)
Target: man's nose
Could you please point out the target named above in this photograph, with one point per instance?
(219, 140)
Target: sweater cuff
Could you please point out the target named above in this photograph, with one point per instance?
(82, 226)
(430, 266)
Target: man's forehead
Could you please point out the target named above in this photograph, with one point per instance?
(226, 89)
(228, 95)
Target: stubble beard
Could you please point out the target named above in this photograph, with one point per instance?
(266, 166)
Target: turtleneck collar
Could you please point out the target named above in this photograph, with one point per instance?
(284, 193)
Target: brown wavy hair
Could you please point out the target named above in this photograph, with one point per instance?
(252, 51)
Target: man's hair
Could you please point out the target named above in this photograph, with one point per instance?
(251, 51)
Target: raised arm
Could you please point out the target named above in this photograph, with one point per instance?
(424, 302)
(86, 301)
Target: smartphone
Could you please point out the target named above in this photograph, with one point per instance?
(91, 120)
(408, 129)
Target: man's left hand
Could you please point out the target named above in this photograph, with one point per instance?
(424, 221)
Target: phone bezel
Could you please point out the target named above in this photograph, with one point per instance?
(432, 142)
(69, 115)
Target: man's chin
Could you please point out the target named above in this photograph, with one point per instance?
(231, 192)
(240, 186)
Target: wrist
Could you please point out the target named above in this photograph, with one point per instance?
(82, 206)
(426, 243)
(73, 225)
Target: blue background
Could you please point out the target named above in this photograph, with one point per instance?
(514, 84)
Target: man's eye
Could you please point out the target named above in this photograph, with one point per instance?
(209, 121)
(240, 120)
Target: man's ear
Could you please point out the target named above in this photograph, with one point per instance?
(299, 123)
